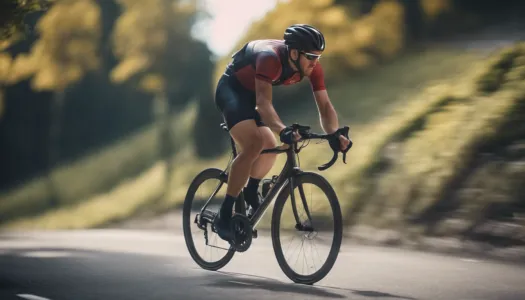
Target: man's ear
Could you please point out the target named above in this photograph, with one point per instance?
(294, 54)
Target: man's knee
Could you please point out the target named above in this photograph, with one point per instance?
(247, 135)
(269, 140)
(254, 147)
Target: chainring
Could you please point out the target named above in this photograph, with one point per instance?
(241, 228)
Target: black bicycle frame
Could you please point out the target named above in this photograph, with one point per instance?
(289, 171)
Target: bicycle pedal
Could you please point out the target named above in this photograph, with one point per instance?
(254, 233)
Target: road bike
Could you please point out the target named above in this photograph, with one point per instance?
(279, 187)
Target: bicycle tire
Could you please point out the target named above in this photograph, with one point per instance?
(324, 185)
(206, 174)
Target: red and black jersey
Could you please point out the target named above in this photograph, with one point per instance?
(268, 60)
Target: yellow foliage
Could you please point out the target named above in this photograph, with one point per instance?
(140, 28)
(47, 78)
(5, 66)
(381, 30)
(321, 3)
(363, 33)
(67, 48)
(184, 8)
(142, 36)
(433, 8)
(332, 17)
(349, 42)
(127, 67)
(22, 68)
(153, 83)
(388, 27)
(4, 44)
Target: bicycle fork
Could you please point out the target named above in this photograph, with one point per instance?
(300, 226)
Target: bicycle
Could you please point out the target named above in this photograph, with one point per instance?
(279, 187)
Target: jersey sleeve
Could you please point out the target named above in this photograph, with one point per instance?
(317, 78)
(267, 66)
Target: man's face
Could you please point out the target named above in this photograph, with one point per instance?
(308, 60)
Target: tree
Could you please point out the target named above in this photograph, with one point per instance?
(5, 64)
(66, 50)
(152, 40)
(13, 12)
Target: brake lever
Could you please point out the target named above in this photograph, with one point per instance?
(346, 150)
(336, 152)
(345, 132)
(328, 164)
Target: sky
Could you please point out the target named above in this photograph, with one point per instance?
(229, 21)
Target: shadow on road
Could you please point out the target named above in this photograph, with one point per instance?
(244, 281)
(273, 286)
(375, 294)
(380, 294)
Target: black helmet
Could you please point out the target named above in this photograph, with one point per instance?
(304, 37)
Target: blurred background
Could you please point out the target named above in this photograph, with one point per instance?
(107, 113)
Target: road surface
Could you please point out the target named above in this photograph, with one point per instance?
(131, 264)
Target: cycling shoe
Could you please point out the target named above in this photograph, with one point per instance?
(223, 229)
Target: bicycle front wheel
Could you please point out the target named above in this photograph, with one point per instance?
(307, 215)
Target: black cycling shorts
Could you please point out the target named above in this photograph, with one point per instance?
(235, 102)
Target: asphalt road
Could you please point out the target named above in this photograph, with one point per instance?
(126, 264)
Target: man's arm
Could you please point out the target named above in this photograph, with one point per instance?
(327, 113)
(263, 96)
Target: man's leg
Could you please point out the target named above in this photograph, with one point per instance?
(262, 165)
(247, 135)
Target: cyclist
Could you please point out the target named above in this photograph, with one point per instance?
(244, 97)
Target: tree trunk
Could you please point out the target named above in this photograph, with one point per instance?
(165, 147)
(414, 21)
(53, 157)
(1, 101)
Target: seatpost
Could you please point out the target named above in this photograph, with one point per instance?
(234, 149)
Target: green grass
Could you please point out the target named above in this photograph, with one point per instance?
(435, 152)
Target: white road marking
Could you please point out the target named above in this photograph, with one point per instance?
(470, 260)
(46, 254)
(31, 297)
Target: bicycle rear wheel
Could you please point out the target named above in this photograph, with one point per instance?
(307, 229)
(193, 203)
